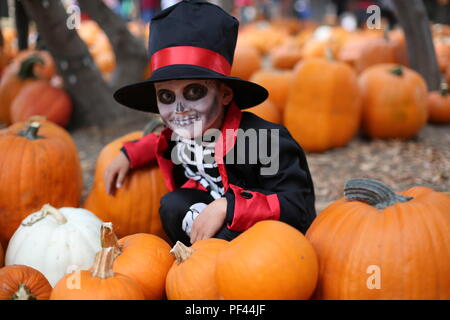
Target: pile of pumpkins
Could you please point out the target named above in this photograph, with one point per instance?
(370, 244)
(326, 83)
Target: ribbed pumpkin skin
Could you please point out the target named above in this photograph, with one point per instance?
(194, 278)
(135, 206)
(119, 287)
(145, 258)
(277, 83)
(36, 172)
(409, 242)
(40, 98)
(393, 106)
(269, 261)
(323, 109)
(12, 276)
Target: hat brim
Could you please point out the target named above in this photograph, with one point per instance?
(141, 96)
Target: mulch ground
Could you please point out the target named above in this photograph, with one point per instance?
(424, 160)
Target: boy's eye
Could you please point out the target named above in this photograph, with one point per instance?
(195, 91)
(166, 96)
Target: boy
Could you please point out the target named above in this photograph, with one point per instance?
(225, 169)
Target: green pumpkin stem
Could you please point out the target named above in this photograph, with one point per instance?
(398, 71)
(108, 238)
(26, 69)
(372, 192)
(329, 55)
(444, 88)
(31, 131)
(23, 293)
(181, 252)
(103, 264)
(155, 124)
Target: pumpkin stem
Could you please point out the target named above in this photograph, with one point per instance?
(103, 264)
(444, 88)
(181, 252)
(329, 55)
(398, 71)
(26, 69)
(23, 293)
(108, 238)
(31, 131)
(155, 124)
(372, 192)
(45, 210)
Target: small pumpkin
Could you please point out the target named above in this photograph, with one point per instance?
(55, 240)
(145, 258)
(375, 51)
(99, 283)
(439, 105)
(267, 111)
(139, 196)
(192, 275)
(286, 56)
(21, 282)
(49, 171)
(271, 260)
(323, 108)
(247, 60)
(394, 102)
(41, 98)
(376, 244)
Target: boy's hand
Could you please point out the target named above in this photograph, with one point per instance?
(115, 173)
(209, 221)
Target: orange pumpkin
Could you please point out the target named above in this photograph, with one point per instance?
(41, 98)
(442, 48)
(19, 282)
(323, 109)
(192, 275)
(439, 105)
(138, 197)
(286, 56)
(394, 102)
(271, 260)
(246, 61)
(375, 51)
(277, 82)
(99, 283)
(2, 256)
(39, 165)
(376, 244)
(143, 257)
(14, 79)
(45, 70)
(267, 111)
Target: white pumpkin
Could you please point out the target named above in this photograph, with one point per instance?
(56, 242)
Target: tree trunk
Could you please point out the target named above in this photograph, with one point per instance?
(91, 95)
(412, 16)
(130, 52)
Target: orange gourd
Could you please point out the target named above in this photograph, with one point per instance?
(271, 260)
(2, 256)
(376, 244)
(394, 102)
(439, 105)
(323, 109)
(40, 165)
(19, 282)
(246, 61)
(192, 275)
(138, 197)
(267, 111)
(277, 82)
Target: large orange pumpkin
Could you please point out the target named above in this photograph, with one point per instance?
(267, 111)
(376, 244)
(323, 109)
(99, 283)
(39, 165)
(192, 275)
(439, 105)
(375, 51)
(41, 98)
(143, 257)
(277, 82)
(394, 102)
(271, 260)
(134, 208)
(14, 78)
(19, 282)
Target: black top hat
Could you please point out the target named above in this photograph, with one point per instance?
(191, 40)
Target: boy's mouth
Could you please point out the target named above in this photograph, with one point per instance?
(182, 121)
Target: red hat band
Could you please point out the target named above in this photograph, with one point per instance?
(190, 55)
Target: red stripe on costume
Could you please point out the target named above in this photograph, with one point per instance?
(191, 55)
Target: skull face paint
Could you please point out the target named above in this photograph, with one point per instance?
(190, 107)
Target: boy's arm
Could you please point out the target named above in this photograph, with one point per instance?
(287, 195)
(142, 151)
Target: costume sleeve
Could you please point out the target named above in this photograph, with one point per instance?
(287, 195)
(142, 151)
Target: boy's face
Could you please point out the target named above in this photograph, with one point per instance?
(190, 107)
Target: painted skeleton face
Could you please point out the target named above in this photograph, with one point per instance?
(190, 107)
